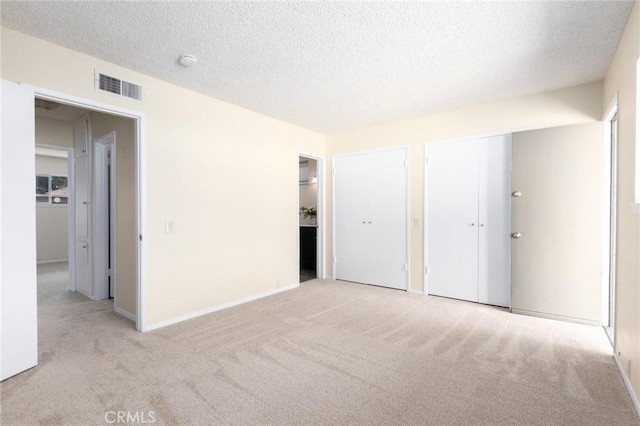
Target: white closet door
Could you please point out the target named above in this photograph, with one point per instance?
(387, 219)
(494, 274)
(352, 255)
(452, 219)
(18, 313)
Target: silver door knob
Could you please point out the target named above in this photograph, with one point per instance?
(516, 235)
(516, 194)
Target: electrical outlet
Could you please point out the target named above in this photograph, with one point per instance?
(278, 283)
(168, 226)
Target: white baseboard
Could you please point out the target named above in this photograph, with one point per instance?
(44, 262)
(219, 307)
(123, 313)
(627, 384)
(556, 317)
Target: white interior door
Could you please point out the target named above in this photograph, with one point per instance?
(103, 215)
(452, 219)
(351, 208)
(18, 287)
(557, 262)
(494, 253)
(387, 218)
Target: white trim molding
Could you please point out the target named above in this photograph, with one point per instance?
(125, 314)
(556, 317)
(44, 262)
(141, 181)
(217, 308)
(627, 384)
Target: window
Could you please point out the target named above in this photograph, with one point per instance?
(52, 190)
(304, 173)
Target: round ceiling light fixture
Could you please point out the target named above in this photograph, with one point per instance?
(188, 60)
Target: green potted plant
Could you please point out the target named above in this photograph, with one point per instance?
(309, 212)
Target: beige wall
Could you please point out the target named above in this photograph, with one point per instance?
(309, 193)
(52, 225)
(53, 132)
(201, 153)
(621, 78)
(126, 222)
(572, 105)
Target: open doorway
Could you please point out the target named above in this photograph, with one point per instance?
(100, 206)
(310, 217)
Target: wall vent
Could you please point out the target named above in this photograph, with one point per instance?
(106, 83)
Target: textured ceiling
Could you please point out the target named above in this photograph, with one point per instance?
(332, 66)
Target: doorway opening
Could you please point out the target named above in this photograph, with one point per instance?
(102, 218)
(310, 210)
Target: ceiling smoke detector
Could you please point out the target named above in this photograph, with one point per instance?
(188, 60)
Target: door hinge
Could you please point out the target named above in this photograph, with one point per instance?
(426, 270)
(405, 267)
(426, 161)
(335, 259)
(404, 163)
(333, 170)
(140, 237)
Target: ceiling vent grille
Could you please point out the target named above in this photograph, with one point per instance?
(119, 87)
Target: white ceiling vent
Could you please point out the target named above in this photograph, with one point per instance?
(106, 83)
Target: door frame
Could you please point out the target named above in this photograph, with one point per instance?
(407, 234)
(101, 148)
(71, 211)
(141, 181)
(320, 216)
(609, 238)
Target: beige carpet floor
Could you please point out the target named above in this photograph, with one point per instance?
(326, 353)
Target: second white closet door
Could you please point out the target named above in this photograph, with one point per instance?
(468, 219)
(452, 216)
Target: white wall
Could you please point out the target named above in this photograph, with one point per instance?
(52, 223)
(309, 192)
(201, 153)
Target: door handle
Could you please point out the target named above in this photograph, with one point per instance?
(516, 194)
(516, 235)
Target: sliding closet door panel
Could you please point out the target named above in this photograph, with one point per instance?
(452, 219)
(495, 220)
(350, 218)
(387, 220)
